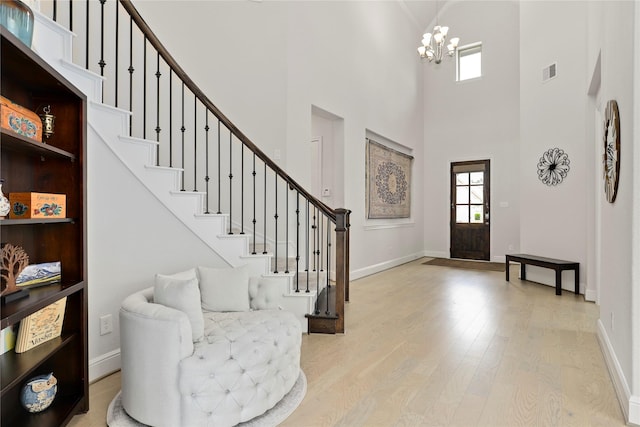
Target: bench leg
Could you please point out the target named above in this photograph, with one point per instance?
(506, 270)
(577, 274)
(523, 271)
(558, 281)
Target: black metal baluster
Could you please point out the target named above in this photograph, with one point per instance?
(101, 62)
(55, 10)
(70, 14)
(117, 44)
(230, 181)
(254, 204)
(264, 232)
(297, 241)
(314, 229)
(327, 311)
(87, 38)
(195, 143)
(241, 188)
(219, 171)
(306, 252)
(286, 229)
(158, 74)
(131, 70)
(316, 257)
(206, 160)
(144, 91)
(170, 118)
(275, 217)
(182, 129)
(324, 218)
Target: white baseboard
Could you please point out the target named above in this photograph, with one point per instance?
(372, 269)
(615, 372)
(634, 411)
(104, 365)
(436, 254)
(589, 295)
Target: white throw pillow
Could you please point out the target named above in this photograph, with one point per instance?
(181, 291)
(224, 289)
(265, 292)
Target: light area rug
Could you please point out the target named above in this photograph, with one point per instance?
(117, 416)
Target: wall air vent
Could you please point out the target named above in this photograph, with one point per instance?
(549, 72)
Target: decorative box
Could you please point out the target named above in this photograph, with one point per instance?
(20, 120)
(37, 205)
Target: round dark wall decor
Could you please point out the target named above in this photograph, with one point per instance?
(392, 183)
(553, 166)
(611, 157)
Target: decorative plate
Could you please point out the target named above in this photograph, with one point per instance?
(611, 157)
(553, 166)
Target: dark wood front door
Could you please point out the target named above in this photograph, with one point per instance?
(470, 210)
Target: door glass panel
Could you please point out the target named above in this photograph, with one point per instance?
(477, 193)
(476, 214)
(477, 178)
(462, 178)
(462, 195)
(462, 214)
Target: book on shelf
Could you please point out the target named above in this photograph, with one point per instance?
(42, 326)
(35, 275)
(8, 337)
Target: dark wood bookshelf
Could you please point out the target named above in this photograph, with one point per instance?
(16, 366)
(39, 298)
(32, 221)
(12, 141)
(54, 165)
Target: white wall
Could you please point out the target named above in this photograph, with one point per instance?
(265, 64)
(615, 278)
(475, 120)
(235, 51)
(634, 401)
(615, 21)
(356, 60)
(131, 236)
(574, 219)
(553, 219)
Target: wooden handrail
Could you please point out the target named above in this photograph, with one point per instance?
(177, 69)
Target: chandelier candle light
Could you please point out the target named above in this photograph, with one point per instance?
(433, 43)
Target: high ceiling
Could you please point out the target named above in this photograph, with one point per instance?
(423, 12)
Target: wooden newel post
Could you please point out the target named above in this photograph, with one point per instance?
(342, 264)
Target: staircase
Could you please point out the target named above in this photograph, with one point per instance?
(227, 192)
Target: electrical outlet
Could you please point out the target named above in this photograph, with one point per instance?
(106, 324)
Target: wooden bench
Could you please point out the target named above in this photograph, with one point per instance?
(555, 264)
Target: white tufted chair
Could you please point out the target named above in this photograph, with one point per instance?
(245, 364)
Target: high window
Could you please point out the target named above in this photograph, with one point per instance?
(469, 61)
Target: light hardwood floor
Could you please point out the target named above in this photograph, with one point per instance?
(436, 346)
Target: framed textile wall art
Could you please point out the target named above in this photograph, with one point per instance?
(388, 182)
